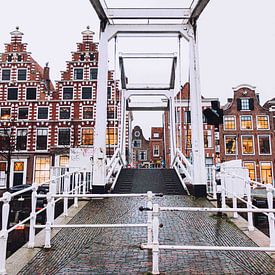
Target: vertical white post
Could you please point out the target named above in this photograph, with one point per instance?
(172, 128)
(123, 126)
(271, 217)
(49, 213)
(149, 218)
(76, 178)
(66, 191)
(84, 182)
(214, 184)
(199, 172)
(249, 205)
(33, 217)
(223, 188)
(155, 249)
(101, 114)
(4, 232)
(235, 205)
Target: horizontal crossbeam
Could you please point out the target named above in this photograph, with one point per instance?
(197, 8)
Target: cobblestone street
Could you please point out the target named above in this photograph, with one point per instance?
(116, 251)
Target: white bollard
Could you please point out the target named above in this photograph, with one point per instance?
(33, 217)
(149, 218)
(155, 249)
(271, 218)
(76, 178)
(4, 232)
(249, 206)
(235, 205)
(214, 184)
(48, 222)
(223, 189)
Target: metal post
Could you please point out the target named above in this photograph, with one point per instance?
(249, 205)
(101, 114)
(155, 249)
(149, 218)
(66, 192)
(123, 125)
(84, 182)
(4, 231)
(223, 188)
(49, 220)
(271, 218)
(172, 129)
(199, 173)
(33, 217)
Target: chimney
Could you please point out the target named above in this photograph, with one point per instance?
(258, 97)
(46, 77)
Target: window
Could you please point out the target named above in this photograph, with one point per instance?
(109, 92)
(142, 155)
(111, 113)
(246, 123)
(64, 136)
(262, 123)
(82, 57)
(5, 113)
(68, 93)
(229, 122)
(6, 74)
(93, 74)
(22, 74)
(137, 133)
(64, 112)
(155, 135)
(111, 136)
(23, 113)
(19, 58)
(245, 104)
(42, 113)
(264, 145)
(136, 143)
(188, 139)
(156, 151)
(64, 160)
(187, 117)
(87, 112)
(247, 145)
(42, 169)
(31, 94)
(266, 172)
(87, 92)
(207, 139)
(21, 139)
(92, 57)
(12, 93)
(251, 169)
(42, 139)
(10, 58)
(87, 136)
(78, 74)
(5, 139)
(230, 145)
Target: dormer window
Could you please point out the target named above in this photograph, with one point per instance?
(19, 58)
(92, 57)
(10, 58)
(82, 57)
(93, 74)
(245, 104)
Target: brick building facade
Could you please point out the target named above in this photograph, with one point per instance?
(157, 147)
(38, 123)
(247, 133)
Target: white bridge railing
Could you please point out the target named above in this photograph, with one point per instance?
(183, 169)
(113, 168)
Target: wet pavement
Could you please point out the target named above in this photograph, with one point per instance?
(116, 251)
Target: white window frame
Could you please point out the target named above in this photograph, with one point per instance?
(271, 165)
(270, 147)
(91, 74)
(234, 122)
(24, 171)
(86, 145)
(2, 74)
(46, 156)
(77, 68)
(17, 74)
(32, 87)
(23, 107)
(211, 138)
(82, 92)
(145, 155)
(59, 112)
(63, 128)
(254, 164)
(63, 92)
(242, 136)
(139, 144)
(267, 121)
(245, 98)
(12, 100)
(26, 140)
(157, 148)
(252, 126)
(37, 113)
(236, 149)
(46, 142)
(87, 106)
(5, 107)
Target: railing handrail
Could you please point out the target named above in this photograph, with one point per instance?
(182, 156)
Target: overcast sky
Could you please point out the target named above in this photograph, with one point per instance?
(236, 39)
